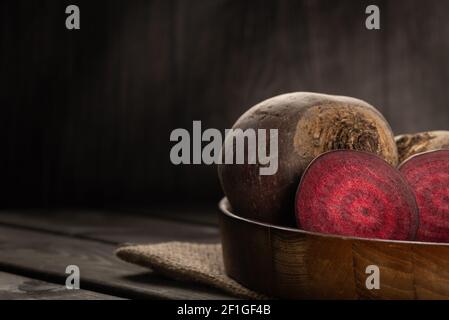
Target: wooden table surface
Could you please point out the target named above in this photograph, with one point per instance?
(37, 246)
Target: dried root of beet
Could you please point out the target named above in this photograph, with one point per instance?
(411, 144)
(308, 124)
(428, 175)
(357, 194)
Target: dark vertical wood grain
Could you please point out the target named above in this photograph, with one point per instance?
(86, 115)
(418, 71)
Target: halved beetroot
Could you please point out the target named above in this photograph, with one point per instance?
(354, 193)
(428, 175)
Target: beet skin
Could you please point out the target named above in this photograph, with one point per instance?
(414, 143)
(354, 193)
(428, 175)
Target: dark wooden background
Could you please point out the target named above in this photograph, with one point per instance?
(85, 116)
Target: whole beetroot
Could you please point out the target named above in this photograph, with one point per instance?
(308, 124)
(414, 143)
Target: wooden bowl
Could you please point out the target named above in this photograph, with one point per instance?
(295, 264)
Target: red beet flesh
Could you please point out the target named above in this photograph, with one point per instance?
(353, 193)
(428, 175)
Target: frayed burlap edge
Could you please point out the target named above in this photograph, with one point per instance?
(201, 263)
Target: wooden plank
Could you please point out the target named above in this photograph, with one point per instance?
(110, 227)
(15, 287)
(46, 256)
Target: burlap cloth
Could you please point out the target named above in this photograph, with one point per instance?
(201, 263)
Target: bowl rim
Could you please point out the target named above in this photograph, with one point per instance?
(225, 208)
